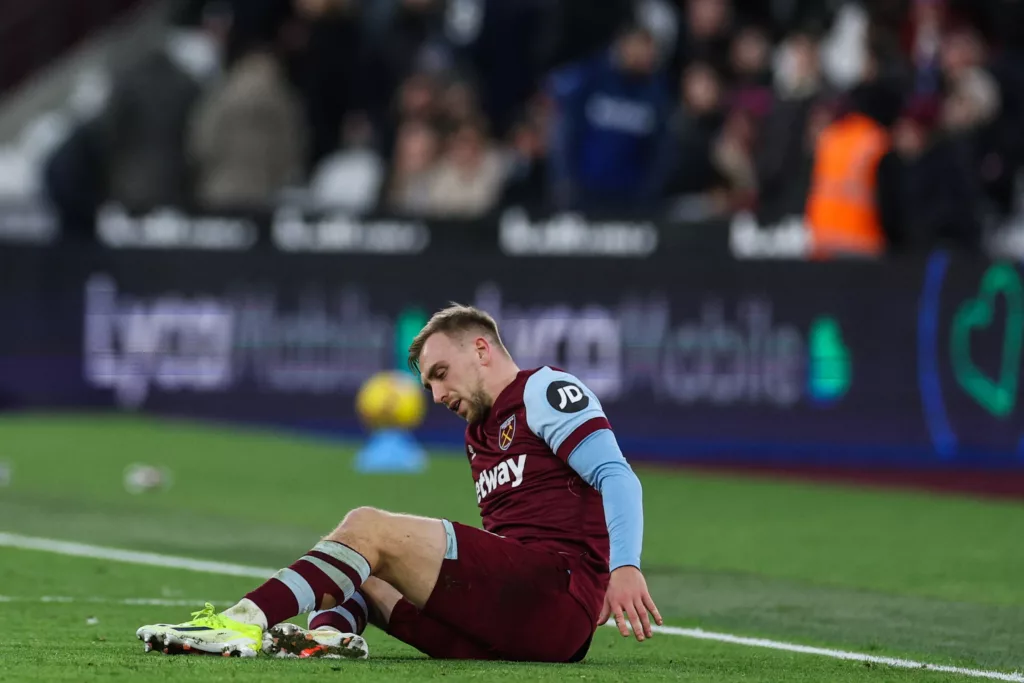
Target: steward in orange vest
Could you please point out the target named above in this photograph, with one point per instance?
(842, 211)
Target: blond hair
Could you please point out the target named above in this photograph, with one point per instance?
(454, 320)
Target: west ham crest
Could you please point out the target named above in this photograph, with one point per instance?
(506, 432)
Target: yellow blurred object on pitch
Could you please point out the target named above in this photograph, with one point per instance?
(391, 400)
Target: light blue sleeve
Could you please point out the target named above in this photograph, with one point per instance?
(563, 412)
(557, 404)
(601, 464)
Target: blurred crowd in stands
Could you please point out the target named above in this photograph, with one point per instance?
(886, 123)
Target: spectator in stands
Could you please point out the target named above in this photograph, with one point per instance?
(732, 155)
(1007, 65)
(695, 125)
(706, 35)
(750, 100)
(458, 104)
(326, 69)
(247, 139)
(427, 70)
(938, 196)
(140, 135)
(973, 97)
(844, 213)
(411, 174)
(850, 185)
(610, 125)
(468, 180)
(750, 70)
(783, 156)
(844, 46)
(973, 113)
(400, 37)
(923, 41)
(526, 177)
(350, 179)
(496, 43)
(417, 97)
(663, 18)
(1002, 164)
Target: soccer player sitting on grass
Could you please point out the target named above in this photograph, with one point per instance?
(559, 551)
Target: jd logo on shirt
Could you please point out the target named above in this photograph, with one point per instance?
(566, 397)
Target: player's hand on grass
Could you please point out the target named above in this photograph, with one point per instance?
(627, 595)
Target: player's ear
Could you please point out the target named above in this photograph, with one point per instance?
(483, 349)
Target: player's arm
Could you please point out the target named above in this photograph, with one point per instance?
(568, 416)
(600, 463)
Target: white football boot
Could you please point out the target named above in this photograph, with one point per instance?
(208, 633)
(292, 641)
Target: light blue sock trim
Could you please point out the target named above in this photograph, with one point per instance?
(451, 551)
(337, 577)
(358, 597)
(299, 587)
(347, 555)
(345, 614)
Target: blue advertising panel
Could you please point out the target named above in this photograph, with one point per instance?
(910, 365)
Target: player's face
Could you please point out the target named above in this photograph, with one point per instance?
(450, 370)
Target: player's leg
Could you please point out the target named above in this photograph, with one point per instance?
(404, 550)
(466, 593)
(381, 598)
(506, 596)
(503, 593)
(454, 591)
(399, 618)
(336, 633)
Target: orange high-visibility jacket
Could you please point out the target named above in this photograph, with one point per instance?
(842, 212)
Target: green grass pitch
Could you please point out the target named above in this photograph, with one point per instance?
(937, 579)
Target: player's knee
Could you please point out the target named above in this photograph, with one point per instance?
(362, 520)
(359, 525)
(377, 534)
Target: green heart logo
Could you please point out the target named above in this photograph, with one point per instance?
(999, 396)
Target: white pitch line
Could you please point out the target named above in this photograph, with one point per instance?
(172, 561)
(93, 600)
(701, 634)
(131, 556)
